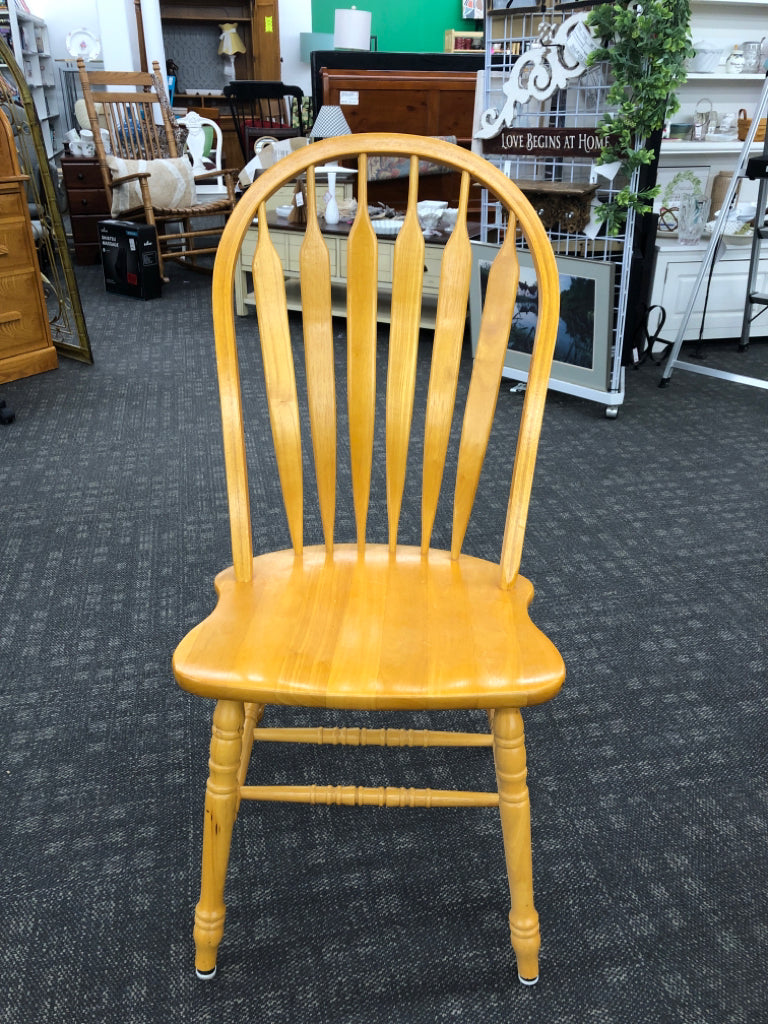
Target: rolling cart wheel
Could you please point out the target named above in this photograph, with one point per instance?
(611, 412)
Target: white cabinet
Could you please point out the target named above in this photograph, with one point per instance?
(29, 42)
(288, 240)
(677, 268)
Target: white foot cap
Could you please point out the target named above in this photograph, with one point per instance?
(206, 975)
(527, 981)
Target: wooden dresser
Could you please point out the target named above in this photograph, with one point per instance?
(87, 205)
(25, 334)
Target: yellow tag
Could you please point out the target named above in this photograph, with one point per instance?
(268, 24)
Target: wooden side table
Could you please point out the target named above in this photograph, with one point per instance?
(287, 239)
(87, 205)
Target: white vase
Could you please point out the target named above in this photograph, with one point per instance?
(331, 206)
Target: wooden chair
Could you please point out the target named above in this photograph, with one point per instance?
(203, 146)
(264, 108)
(373, 623)
(146, 177)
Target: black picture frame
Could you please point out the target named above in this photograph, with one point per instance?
(585, 336)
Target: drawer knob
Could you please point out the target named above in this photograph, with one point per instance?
(80, 176)
(9, 318)
(4, 250)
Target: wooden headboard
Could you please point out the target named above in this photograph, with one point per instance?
(416, 102)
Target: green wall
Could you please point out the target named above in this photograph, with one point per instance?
(407, 25)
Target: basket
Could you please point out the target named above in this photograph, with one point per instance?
(743, 125)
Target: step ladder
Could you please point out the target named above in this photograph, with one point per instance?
(750, 167)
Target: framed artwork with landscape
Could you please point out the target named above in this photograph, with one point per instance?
(585, 332)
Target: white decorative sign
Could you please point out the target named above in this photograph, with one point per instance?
(538, 73)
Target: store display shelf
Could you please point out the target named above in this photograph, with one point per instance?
(722, 76)
(670, 147)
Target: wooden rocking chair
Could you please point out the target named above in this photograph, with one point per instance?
(357, 623)
(146, 177)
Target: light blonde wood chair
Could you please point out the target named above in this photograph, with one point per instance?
(353, 623)
(146, 176)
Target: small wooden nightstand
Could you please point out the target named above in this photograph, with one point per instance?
(87, 205)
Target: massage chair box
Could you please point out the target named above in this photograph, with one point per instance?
(129, 257)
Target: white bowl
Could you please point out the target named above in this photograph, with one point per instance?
(706, 58)
(448, 219)
(387, 225)
(283, 211)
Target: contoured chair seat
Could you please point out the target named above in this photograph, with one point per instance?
(371, 630)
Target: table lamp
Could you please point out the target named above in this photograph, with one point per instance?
(352, 29)
(230, 43)
(329, 123)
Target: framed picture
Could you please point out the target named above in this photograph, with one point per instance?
(585, 332)
(514, 5)
(672, 182)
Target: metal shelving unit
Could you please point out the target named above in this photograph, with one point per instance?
(27, 36)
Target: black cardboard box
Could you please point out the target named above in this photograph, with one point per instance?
(129, 257)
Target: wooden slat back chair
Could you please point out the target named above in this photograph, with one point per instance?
(357, 624)
(264, 108)
(127, 102)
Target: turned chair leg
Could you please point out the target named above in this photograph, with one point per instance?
(221, 799)
(515, 810)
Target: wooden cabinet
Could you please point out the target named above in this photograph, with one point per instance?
(257, 25)
(25, 335)
(191, 38)
(87, 205)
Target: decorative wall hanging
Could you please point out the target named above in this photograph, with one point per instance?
(558, 56)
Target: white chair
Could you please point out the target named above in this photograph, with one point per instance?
(204, 148)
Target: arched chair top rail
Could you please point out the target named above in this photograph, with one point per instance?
(344, 146)
(523, 216)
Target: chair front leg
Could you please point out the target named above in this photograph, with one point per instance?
(515, 810)
(221, 799)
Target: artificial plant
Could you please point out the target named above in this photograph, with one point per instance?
(646, 46)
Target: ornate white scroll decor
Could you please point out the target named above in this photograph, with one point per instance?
(557, 56)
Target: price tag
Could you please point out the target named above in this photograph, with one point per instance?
(581, 43)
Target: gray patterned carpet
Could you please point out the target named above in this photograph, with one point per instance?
(647, 545)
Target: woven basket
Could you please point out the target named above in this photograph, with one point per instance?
(743, 125)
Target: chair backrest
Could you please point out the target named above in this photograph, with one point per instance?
(134, 108)
(361, 332)
(204, 146)
(264, 108)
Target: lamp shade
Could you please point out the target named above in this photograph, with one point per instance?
(352, 29)
(329, 123)
(230, 42)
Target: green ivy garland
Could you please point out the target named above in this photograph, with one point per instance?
(646, 45)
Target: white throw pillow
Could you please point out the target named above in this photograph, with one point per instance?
(171, 183)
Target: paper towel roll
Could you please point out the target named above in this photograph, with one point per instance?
(352, 29)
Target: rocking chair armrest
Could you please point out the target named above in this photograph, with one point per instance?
(134, 176)
(223, 173)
